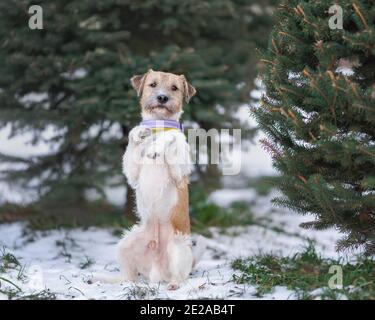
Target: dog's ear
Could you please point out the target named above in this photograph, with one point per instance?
(189, 90)
(138, 81)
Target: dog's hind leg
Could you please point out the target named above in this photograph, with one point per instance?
(128, 253)
(126, 257)
(180, 257)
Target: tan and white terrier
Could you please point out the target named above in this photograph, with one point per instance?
(157, 166)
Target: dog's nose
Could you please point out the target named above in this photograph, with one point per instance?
(162, 98)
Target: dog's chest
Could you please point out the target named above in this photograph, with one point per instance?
(155, 188)
(155, 151)
(158, 147)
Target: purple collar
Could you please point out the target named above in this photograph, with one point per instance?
(161, 124)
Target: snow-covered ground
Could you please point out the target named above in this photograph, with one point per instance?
(64, 261)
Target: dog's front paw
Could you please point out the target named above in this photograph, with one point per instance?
(156, 150)
(153, 154)
(161, 148)
(139, 134)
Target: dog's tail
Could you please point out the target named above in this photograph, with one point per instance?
(199, 247)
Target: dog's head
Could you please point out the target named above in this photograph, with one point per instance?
(162, 94)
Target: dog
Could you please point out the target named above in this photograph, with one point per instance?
(157, 166)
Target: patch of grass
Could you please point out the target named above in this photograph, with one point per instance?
(262, 185)
(8, 287)
(214, 216)
(66, 245)
(139, 292)
(205, 214)
(41, 295)
(7, 261)
(96, 213)
(88, 262)
(305, 273)
(119, 231)
(17, 293)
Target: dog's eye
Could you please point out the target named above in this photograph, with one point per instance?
(174, 88)
(153, 84)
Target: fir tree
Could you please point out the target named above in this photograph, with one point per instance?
(78, 67)
(319, 115)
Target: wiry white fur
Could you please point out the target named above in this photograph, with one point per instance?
(181, 258)
(155, 164)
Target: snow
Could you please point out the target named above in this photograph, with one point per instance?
(22, 146)
(224, 197)
(280, 293)
(54, 259)
(33, 97)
